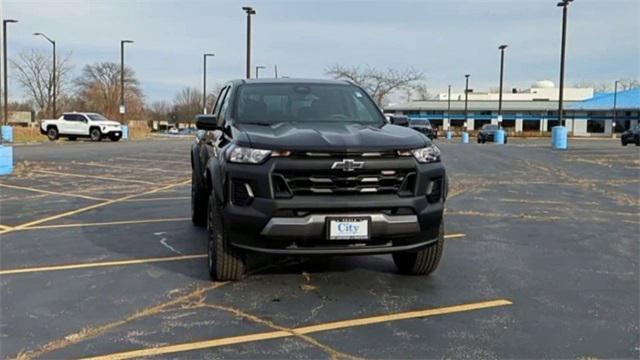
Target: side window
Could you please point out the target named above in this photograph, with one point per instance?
(224, 107)
(216, 108)
(69, 117)
(81, 118)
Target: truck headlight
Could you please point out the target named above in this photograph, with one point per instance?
(243, 155)
(425, 155)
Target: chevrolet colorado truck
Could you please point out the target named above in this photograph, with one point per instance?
(73, 125)
(312, 167)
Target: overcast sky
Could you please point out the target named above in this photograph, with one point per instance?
(443, 39)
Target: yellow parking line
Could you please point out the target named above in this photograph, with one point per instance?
(51, 192)
(124, 222)
(5, 227)
(95, 177)
(155, 160)
(205, 344)
(160, 199)
(454, 236)
(109, 166)
(91, 207)
(101, 264)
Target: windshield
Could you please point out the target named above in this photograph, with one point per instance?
(97, 117)
(490, 127)
(274, 103)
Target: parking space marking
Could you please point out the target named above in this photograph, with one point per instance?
(91, 207)
(336, 325)
(49, 172)
(108, 223)
(454, 236)
(101, 264)
(160, 199)
(52, 192)
(5, 227)
(109, 166)
(155, 160)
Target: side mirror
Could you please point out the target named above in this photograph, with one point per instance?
(400, 120)
(207, 122)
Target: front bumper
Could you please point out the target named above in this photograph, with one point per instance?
(297, 225)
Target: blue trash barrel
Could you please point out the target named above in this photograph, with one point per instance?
(125, 132)
(559, 138)
(499, 139)
(465, 137)
(6, 160)
(7, 133)
(449, 135)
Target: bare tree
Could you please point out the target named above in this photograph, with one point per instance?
(626, 84)
(420, 92)
(623, 84)
(159, 110)
(187, 104)
(33, 70)
(99, 90)
(597, 87)
(378, 83)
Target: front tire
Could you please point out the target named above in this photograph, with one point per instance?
(52, 133)
(226, 262)
(198, 202)
(95, 134)
(422, 262)
(624, 143)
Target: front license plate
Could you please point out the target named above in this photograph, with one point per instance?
(348, 228)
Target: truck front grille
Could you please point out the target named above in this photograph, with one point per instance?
(338, 182)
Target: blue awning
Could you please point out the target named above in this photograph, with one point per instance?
(626, 100)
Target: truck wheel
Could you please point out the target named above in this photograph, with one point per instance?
(225, 261)
(198, 202)
(624, 143)
(95, 134)
(422, 262)
(52, 133)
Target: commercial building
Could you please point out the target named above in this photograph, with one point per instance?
(533, 110)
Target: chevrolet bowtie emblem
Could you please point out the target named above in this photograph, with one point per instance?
(347, 165)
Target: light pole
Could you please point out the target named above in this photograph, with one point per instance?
(258, 70)
(275, 70)
(4, 67)
(615, 106)
(466, 100)
(448, 109)
(250, 11)
(501, 47)
(53, 76)
(204, 82)
(122, 106)
(563, 4)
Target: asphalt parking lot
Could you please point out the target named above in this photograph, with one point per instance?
(98, 257)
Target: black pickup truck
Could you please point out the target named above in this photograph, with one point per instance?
(312, 167)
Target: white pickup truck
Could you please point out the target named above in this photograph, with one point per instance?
(77, 124)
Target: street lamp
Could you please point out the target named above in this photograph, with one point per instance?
(275, 70)
(448, 109)
(250, 11)
(258, 70)
(122, 106)
(563, 4)
(54, 91)
(4, 67)
(466, 99)
(501, 47)
(204, 82)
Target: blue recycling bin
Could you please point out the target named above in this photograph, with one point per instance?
(499, 139)
(449, 135)
(465, 137)
(7, 133)
(125, 132)
(6, 160)
(559, 138)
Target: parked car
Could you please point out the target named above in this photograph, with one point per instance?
(73, 125)
(488, 133)
(631, 136)
(312, 167)
(173, 131)
(425, 127)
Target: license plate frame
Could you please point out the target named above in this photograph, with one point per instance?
(362, 234)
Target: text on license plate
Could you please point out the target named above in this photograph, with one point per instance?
(348, 228)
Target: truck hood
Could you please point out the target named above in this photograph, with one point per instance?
(334, 137)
